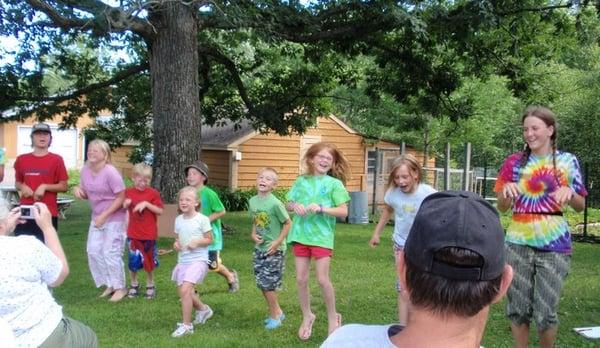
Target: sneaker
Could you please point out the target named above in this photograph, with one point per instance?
(281, 318)
(235, 286)
(182, 330)
(203, 316)
(273, 323)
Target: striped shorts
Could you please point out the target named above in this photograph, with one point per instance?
(536, 285)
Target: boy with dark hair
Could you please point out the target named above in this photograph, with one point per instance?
(452, 269)
(39, 176)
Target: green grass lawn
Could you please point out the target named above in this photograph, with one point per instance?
(364, 280)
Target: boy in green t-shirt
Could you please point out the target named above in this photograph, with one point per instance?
(270, 225)
(211, 206)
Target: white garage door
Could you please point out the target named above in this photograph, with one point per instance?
(64, 143)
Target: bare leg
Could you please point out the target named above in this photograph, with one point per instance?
(187, 301)
(274, 309)
(520, 334)
(226, 273)
(149, 279)
(322, 268)
(548, 337)
(302, 269)
(133, 277)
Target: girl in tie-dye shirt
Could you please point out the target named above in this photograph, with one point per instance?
(538, 183)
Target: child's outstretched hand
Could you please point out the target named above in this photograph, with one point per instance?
(177, 246)
(374, 242)
(126, 203)
(299, 209)
(140, 207)
(314, 208)
(257, 238)
(273, 247)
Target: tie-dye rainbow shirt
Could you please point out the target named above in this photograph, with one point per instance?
(532, 223)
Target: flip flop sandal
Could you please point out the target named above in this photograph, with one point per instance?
(305, 332)
(150, 292)
(133, 291)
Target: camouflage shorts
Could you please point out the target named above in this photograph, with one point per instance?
(268, 269)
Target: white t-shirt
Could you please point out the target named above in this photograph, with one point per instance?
(26, 268)
(359, 336)
(188, 229)
(405, 207)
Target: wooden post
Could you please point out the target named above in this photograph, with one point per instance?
(374, 206)
(447, 168)
(465, 180)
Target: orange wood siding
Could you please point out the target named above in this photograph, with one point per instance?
(218, 166)
(282, 154)
(120, 159)
(269, 150)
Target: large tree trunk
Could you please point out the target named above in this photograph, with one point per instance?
(175, 98)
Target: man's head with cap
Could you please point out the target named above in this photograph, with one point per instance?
(454, 259)
(198, 167)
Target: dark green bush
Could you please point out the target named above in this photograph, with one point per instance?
(237, 200)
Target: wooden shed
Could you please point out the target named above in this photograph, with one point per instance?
(234, 155)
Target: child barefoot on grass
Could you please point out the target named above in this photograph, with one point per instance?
(143, 204)
(403, 197)
(270, 227)
(193, 238)
(317, 199)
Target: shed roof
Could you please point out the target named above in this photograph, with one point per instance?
(228, 134)
(225, 134)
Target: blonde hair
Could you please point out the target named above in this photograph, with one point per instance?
(269, 169)
(190, 189)
(103, 146)
(142, 169)
(340, 168)
(413, 165)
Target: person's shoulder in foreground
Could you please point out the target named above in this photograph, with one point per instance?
(452, 269)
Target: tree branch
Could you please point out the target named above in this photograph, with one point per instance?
(121, 75)
(533, 9)
(230, 66)
(117, 20)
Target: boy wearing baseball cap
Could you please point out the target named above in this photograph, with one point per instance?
(452, 269)
(39, 176)
(196, 175)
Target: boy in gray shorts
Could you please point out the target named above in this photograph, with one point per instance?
(270, 226)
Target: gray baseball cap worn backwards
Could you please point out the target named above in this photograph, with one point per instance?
(457, 219)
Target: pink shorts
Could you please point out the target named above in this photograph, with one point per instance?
(190, 272)
(301, 250)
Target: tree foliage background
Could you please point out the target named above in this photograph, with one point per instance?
(416, 71)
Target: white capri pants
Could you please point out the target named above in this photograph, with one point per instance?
(105, 247)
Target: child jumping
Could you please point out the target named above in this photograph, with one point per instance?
(197, 176)
(193, 238)
(403, 197)
(270, 227)
(143, 204)
(317, 199)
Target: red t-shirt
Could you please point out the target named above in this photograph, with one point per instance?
(142, 225)
(34, 170)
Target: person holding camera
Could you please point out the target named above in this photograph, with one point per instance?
(28, 269)
(39, 176)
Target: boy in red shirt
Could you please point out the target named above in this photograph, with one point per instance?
(39, 176)
(143, 205)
